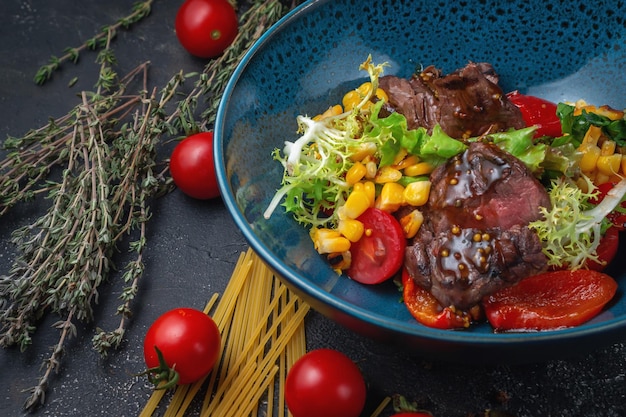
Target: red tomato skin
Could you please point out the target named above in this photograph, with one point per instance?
(189, 341)
(193, 168)
(549, 301)
(426, 309)
(205, 28)
(539, 112)
(325, 382)
(378, 256)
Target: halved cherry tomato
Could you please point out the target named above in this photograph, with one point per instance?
(426, 309)
(539, 112)
(378, 255)
(549, 301)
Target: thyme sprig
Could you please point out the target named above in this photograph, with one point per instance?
(100, 168)
(99, 41)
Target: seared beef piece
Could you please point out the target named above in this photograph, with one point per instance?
(475, 238)
(466, 103)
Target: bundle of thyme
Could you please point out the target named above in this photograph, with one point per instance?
(99, 169)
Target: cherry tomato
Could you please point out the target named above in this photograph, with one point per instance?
(205, 28)
(378, 255)
(193, 168)
(188, 340)
(539, 112)
(551, 300)
(325, 382)
(426, 309)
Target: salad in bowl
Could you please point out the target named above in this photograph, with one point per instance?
(480, 204)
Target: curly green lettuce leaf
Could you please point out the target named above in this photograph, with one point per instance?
(571, 230)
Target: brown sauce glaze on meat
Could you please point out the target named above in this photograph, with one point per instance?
(475, 238)
(466, 103)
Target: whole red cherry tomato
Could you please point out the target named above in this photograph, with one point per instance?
(193, 168)
(426, 309)
(539, 112)
(189, 342)
(380, 252)
(205, 28)
(551, 300)
(325, 382)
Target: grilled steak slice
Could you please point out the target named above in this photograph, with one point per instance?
(466, 103)
(475, 238)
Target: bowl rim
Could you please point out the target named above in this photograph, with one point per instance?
(614, 326)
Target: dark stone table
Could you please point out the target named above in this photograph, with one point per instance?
(194, 245)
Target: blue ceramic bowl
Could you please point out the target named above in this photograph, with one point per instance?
(559, 51)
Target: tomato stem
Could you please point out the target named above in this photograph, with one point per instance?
(162, 376)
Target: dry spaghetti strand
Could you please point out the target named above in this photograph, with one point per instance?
(262, 327)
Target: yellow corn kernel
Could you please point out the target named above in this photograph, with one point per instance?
(370, 190)
(357, 187)
(608, 147)
(609, 164)
(350, 100)
(329, 241)
(372, 169)
(331, 111)
(355, 173)
(623, 166)
(601, 178)
(421, 168)
(364, 151)
(406, 162)
(364, 88)
(402, 153)
(382, 95)
(416, 193)
(355, 205)
(590, 154)
(387, 174)
(411, 223)
(391, 197)
(340, 260)
(582, 184)
(592, 135)
(351, 229)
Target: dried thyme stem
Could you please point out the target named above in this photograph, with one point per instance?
(105, 152)
(100, 40)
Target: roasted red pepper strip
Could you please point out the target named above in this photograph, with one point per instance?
(427, 310)
(537, 112)
(549, 301)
